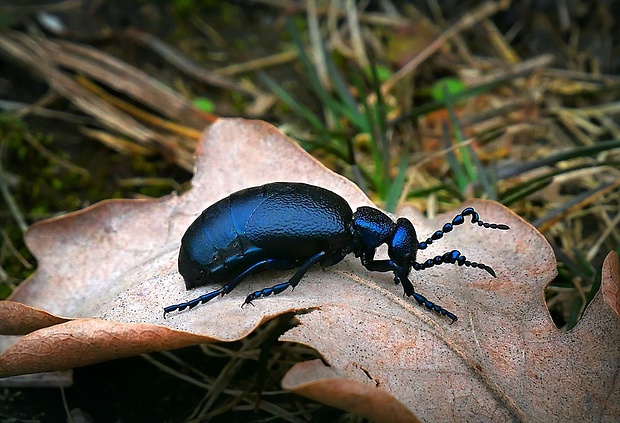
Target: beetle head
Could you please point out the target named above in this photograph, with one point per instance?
(403, 245)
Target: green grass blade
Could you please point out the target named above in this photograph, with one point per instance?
(482, 174)
(326, 99)
(291, 102)
(522, 190)
(397, 185)
(468, 172)
(452, 159)
(432, 106)
(578, 152)
(381, 131)
(526, 189)
(349, 107)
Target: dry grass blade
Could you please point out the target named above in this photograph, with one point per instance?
(140, 113)
(8, 196)
(505, 50)
(504, 73)
(577, 203)
(7, 243)
(53, 157)
(36, 57)
(257, 64)
(191, 68)
(45, 57)
(59, 6)
(116, 143)
(126, 79)
(482, 12)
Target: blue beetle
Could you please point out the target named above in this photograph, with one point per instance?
(286, 225)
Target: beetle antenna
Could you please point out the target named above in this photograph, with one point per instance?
(459, 219)
(452, 257)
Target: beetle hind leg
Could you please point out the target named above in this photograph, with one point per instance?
(193, 303)
(292, 282)
(226, 289)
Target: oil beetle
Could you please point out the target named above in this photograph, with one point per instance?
(285, 225)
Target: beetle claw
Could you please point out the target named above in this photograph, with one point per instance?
(248, 300)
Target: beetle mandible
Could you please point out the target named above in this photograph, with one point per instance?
(286, 225)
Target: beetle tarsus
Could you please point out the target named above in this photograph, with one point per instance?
(421, 299)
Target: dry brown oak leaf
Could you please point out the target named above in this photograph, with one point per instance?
(105, 273)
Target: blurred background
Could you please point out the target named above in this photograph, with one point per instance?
(424, 102)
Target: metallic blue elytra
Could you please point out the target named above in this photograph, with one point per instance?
(286, 225)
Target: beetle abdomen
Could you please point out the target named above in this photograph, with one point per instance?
(214, 243)
(290, 221)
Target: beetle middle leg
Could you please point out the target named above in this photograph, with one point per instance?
(292, 282)
(226, 289)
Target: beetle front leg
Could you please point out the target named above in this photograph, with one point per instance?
(368, 261)
(402, 276)
(386, 266)
(421, 299)
(367, 257)
(226, 289)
